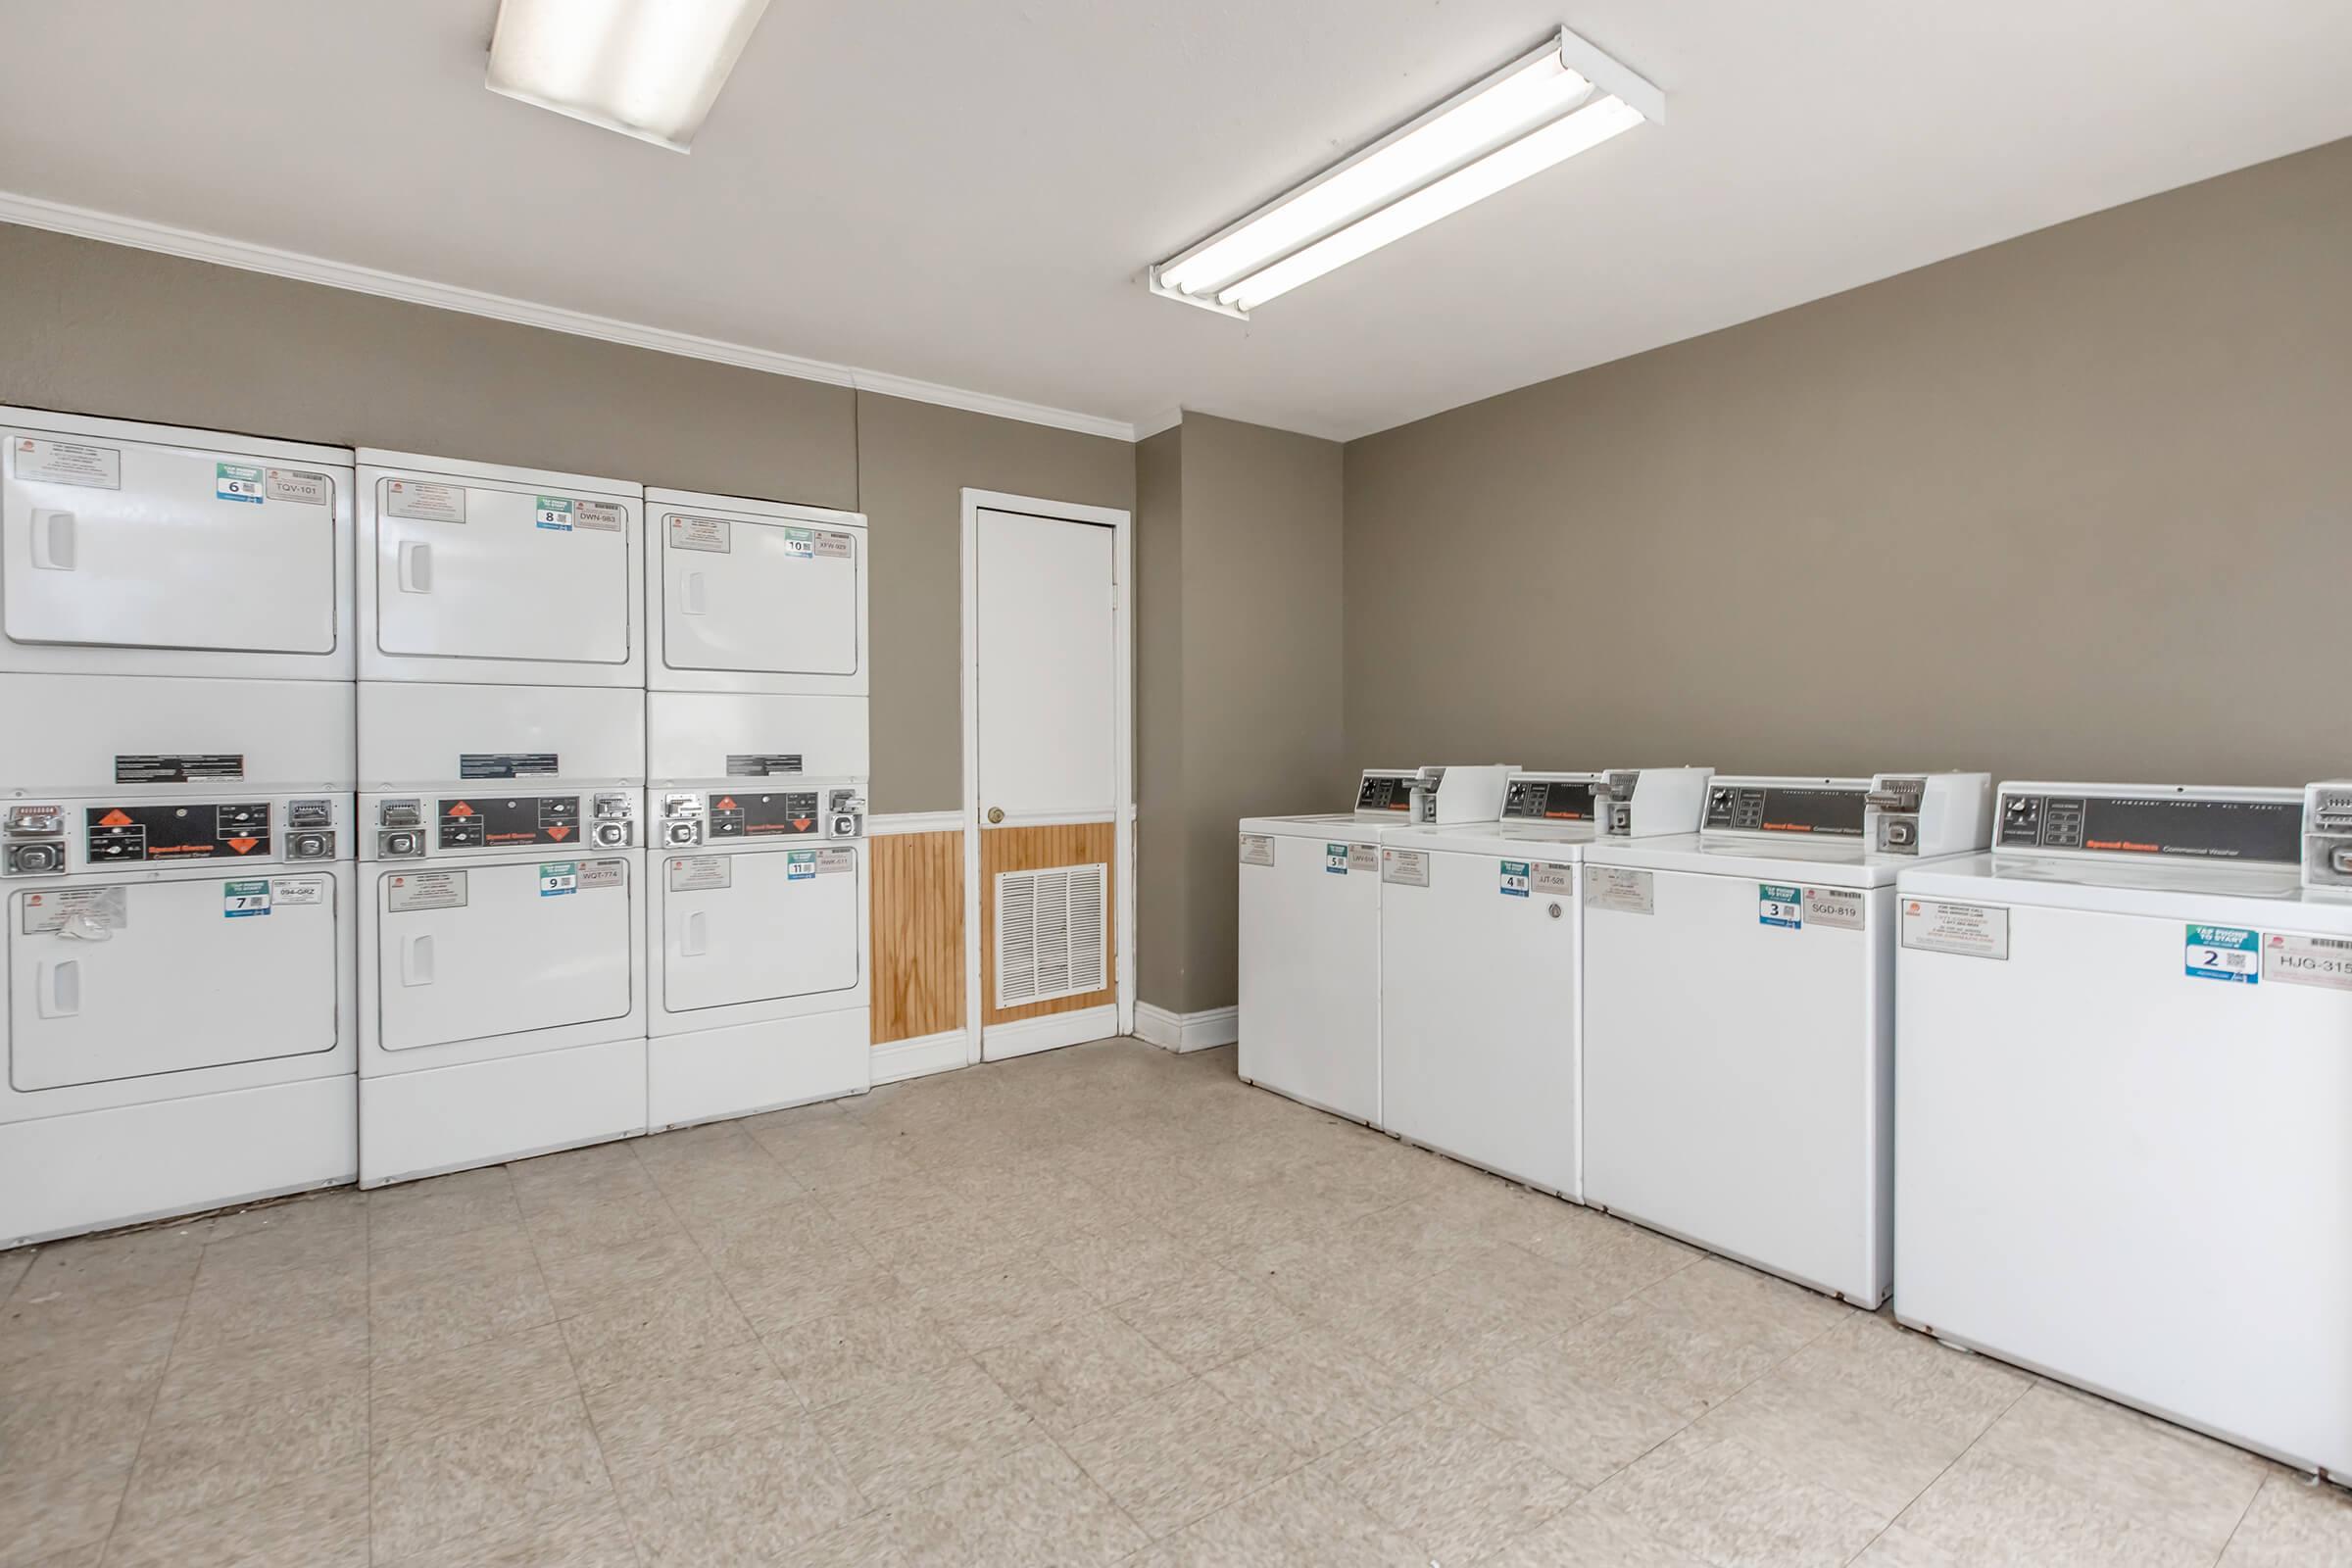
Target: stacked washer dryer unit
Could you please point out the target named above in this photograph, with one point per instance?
(1310, 949)
(502, 772)
(1740, 1018)
(755, 722)
(1482, 967)
(2125, 1058)
(176, 660)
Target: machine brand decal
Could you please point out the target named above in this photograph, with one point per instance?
(201, 831)
(82, 911)
(692, 873)
(552, 512)
(1970, 930)
(709, 534)
(1554, 877)
(2294, 960)
(288, 891)
(237, 481)
(831, 863)
(559, 878)
(600, 517)
(1335, 860)
(603, 874)
(1610, 886)
(763, 764)
(241, 898)
(1779, 905)
(790, 815)
(425, 502)
(507, 765)
(179, 769)
(800, 864)
(1258, 848)
(2228, 952)
(1407, 868)
(1363, 857)
(1511, 879)
(485, 821)
(298, 485)
(835, 546)
(1841, 907)
(68, 462)
(407, 891)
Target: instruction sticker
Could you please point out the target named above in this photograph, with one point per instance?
(2228, 952)
(68, 462)
(303, 488)
(553, 513)
(714, 535)
(693, 873)
(1407, 868)
(102, 909)
(290, 890)
(1780, 905)
(603, 874)
(1554, 877)
(1335, 860)
(235, 481)
(799, 864)
(2308, 960)
(428, 503)
(1610, 886)
(1258, 848)
(1511, 879)
(835, 546)
(1970, 930)
(426, 890)
(600, 517)
(1841, 907)
(558, 878)
(241, 898)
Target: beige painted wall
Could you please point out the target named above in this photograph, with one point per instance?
(2076, 505)
(1252, 712)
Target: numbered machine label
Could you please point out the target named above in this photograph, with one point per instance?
(241, 898)
(1841, 907)
(2294, 960)
(1554, 878)
(558, 877)
(1970, 930)
(2223, 953)
(1258, 848)
(1335, 860)
(1780, 905)
(1407, 868)
(1512, 878)
(1610, 886)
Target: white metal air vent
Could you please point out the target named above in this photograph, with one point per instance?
(1052, 939)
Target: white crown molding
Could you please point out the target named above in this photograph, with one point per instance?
(1166, 420)
(115, 229)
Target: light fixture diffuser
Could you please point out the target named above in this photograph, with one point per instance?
(649, 69)
(1538, 110)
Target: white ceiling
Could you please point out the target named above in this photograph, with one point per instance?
(968, 192)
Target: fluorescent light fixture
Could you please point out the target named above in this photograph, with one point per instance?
(1538, 110)
(649, 69)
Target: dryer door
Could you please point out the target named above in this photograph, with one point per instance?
(128, 980)
(122, 545)
(784, 923)
(469, 571)
(481, 951)
(742, 595)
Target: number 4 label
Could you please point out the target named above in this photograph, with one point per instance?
(2223, 952)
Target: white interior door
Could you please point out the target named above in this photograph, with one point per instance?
(1048, 775)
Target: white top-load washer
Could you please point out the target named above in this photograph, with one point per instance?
(501, 923)
(1481, 967)
(1309, 944)
(2122, 1095)
(478, 573)
(757, 956)
(1738, 1018)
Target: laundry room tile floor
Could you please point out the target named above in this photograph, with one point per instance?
(1097, 1305)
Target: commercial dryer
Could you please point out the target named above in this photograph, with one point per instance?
(2123, 1067)
(1310, 955)
(1738, 1018)
(1481, 965)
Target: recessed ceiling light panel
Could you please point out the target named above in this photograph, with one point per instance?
(649, 69)
(1536, 112)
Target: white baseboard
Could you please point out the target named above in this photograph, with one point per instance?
(1186, 1031)
(1045, 1033)
(901, 1059)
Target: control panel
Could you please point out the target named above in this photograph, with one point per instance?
(2254, 826)
(42, 839)
(1385, 789)
(691, 818)
(2328, 835)
(1886, 813)
(1551, 798)
(411, 827)
(1829, 806)
(1639, 802)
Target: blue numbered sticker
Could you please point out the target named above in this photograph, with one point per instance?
(2223, 953)
(554, 513)
(558, 877)
(1780, 905)
(1335, 860)
(799, 863)
(1513, 881)
(241, 898)
(234, 482)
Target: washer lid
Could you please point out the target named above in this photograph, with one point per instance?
(2252, 896)
(1823, 863)
(1339, 827)
(1545, 841)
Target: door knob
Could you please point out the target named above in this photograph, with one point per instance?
(995, 813)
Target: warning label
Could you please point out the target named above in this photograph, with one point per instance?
(693, 873)
(1258, 848)
(178, 769)
(1970, 930)
(427, 503)
(1407, 868)
(67, 463)
(87, 908)
(1608, 887)
(409, 891)
(708, 534)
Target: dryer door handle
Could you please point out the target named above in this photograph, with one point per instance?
(52, 539)
(695, 596)
(57, 988)
(415, 567)
(416, 961)
(696, 942)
